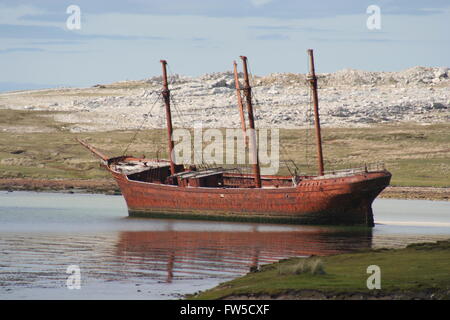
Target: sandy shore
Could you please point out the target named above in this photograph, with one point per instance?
(108, 186)
(423, 193)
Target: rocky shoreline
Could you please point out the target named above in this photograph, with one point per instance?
(108, 186)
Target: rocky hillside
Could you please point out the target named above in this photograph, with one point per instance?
(347, 98)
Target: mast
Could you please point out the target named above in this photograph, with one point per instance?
(239, 99)
(251, 123)
(166, 97)
(313, 82)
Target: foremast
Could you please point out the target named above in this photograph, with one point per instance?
(166, 97)
(313, 83)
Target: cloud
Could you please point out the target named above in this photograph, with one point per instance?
(289, 28)
(46, 17)
(201, 36)
(14, 50)
(34, 50)
(354, 40)
(273, 36)
(288, 9)
(56, 42)
(259, 3)
(271, 27)
(49, 32)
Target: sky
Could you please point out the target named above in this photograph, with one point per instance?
(124, 40)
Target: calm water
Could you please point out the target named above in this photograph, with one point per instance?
(41, 234)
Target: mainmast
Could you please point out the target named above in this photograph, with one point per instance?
(166, 97)
(251, 123)
(313, 82)
(239, 100)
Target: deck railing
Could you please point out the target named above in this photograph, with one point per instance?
(368, 167)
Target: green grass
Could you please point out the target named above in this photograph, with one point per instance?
(415, 269)
(417, 155)
(420, 172)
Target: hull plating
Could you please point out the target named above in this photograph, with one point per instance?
(339, 201)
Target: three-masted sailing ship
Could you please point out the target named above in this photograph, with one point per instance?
(164, 189)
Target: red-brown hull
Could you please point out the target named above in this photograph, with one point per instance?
(337, 201)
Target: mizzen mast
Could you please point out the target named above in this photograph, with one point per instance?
(166, 97)
(313, 83)
(251, 123)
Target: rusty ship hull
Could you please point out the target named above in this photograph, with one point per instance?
(334, 201)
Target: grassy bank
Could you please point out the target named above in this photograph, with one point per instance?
(418, 271)
(33, 145)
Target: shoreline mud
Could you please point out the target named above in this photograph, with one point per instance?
(102, 186)
(108, 186)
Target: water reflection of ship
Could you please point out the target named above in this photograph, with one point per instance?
(203, 253)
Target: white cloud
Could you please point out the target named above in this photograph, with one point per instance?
(340, 42)
(260, 3)
(13, 15)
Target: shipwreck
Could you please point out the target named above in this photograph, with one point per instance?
(162, 188)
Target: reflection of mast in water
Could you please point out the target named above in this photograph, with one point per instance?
(199, 251)
(255, 265)
(171, 260)
(170, 266)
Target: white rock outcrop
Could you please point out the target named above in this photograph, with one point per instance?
(347, 98)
